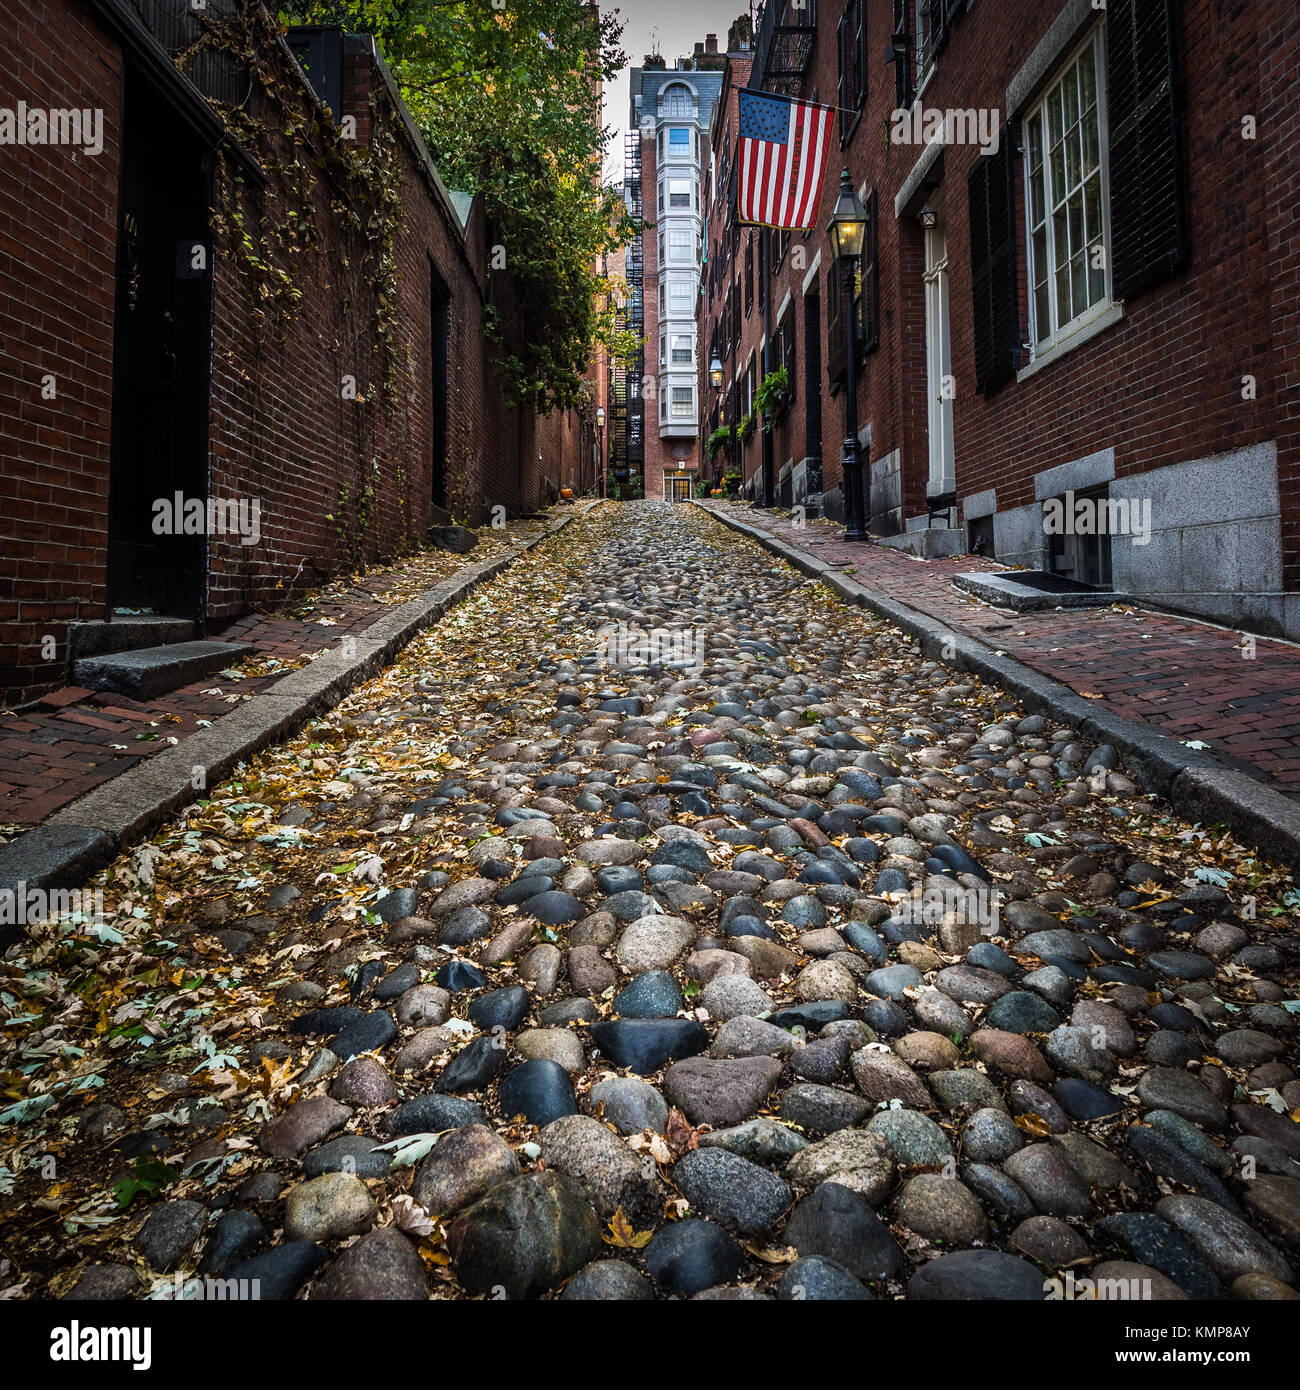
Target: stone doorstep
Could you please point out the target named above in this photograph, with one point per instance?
(146, 672)
(1198, 785)
(81, 838)
(1004, 591)
(126, 633)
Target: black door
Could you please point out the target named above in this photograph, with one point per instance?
(439, 326)
(161, 363)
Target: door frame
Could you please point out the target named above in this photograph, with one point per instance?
(941, 476)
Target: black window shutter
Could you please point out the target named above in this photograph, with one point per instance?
(1148, 204)
(991, 190)
(842, 59)
(903, 54)
(858, 41)
(834, 326)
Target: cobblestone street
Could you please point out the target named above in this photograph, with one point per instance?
(659, 926)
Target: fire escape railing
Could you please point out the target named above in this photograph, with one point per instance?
(787, 34)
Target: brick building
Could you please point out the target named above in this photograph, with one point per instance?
(1079, 284)
(241, 297)
(670, 111)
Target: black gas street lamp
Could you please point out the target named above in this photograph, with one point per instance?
(848, 231)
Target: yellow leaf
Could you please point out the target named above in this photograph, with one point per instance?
(623, 1236)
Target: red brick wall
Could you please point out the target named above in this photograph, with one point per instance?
(1279, 120)
(57, 254)
(341, 481)
(1163, 385)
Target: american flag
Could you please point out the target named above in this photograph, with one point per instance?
(782, 156)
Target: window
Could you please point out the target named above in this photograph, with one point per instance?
(783, 349)
(679, 193)
(662, 295)
(851, 43)
(676, 101)
(1065, 182)
(932, 19)
(683, 349)
(683, 403)
(681, 296)
(681, 247)
(679, 142)
(663, 351)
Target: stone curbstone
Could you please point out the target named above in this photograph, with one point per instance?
(1197, 784)
(76, 841)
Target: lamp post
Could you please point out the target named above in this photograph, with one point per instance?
(600, 430)
(847, 231)
(715, 377)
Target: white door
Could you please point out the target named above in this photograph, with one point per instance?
(938, 353)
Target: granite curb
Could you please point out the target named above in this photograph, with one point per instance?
(1196, 784)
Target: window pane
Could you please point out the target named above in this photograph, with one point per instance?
(1063, 314)
(1059, 185)
(1075, 210)
(1092, 208)
(1036, 208)
(1079, 278)
(1054, 125)
(1088, 77)
(1073, 156)
(1070, 92)
(1091, 143)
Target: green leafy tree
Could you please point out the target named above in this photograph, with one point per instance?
(508, 100)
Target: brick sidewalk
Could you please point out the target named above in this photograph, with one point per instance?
(1189, 679)
(72, 740)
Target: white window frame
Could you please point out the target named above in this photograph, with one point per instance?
(1065, 334)
(680, 288)
(683, 343)
(679, 150)
(681, 246)
(679, 409)
(676, 101)
(690, 195)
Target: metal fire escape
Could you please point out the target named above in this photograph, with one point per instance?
(627, 419)
(786, 37)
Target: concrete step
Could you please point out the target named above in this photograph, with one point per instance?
(150, 671)
(126, 634)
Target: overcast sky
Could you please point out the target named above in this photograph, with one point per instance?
(670, 27)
